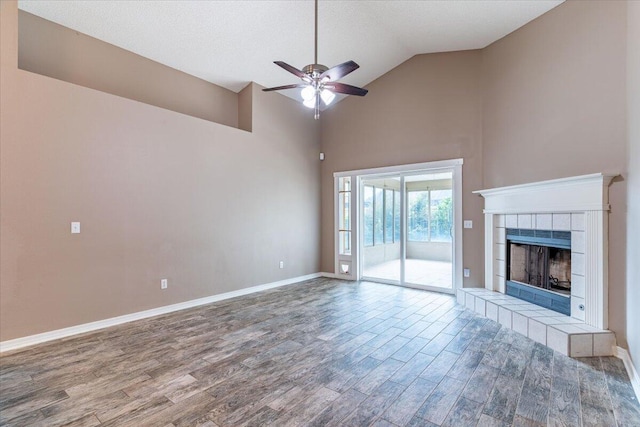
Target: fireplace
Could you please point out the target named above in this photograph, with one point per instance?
(539, 267)
(576, 205)
(548, 241)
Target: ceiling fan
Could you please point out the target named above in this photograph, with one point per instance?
(319, 82)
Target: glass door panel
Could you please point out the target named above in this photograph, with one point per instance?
(380, 219)
(429, 236)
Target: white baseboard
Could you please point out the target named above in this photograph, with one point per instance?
(30, 340)
(329, 275)
(623, 354)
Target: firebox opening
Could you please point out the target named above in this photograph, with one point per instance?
(539, 267)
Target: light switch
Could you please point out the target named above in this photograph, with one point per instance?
(468, 223)
(75, 228)
(467, 272)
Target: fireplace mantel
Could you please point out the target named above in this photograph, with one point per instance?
(578, 204)
(578, 193)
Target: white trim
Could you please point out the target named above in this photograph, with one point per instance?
(596, 274)
(355, 233)
(403, 228)
(541, 209)
(623, 354)
(30, 340)
(390, 170)
(489, 242)
(409, 285)
(458, 219)
(339, 258)
(336, 232)
(578, 193)
(329, 275)
(597, 178)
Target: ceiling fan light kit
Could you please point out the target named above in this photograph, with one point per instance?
(319, 81)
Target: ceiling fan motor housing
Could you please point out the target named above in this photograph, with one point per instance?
(314, 70)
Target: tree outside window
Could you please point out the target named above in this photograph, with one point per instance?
(430, 215)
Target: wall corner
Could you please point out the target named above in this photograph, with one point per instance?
(245, 108)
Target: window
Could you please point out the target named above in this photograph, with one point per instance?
(344, 217)
(381, 215)
(396, 216)
(418, 224)
(388, 216)
(430, 215)
(368, 215)
(441, 216)
(378, 216)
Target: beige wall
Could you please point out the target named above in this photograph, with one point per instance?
(53, 50)
(554, 105)
(159, 195)
(427, 109)
(633, 184)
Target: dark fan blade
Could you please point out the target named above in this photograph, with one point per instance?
(346, 89)
(269, 89)
(291, 69)
(339, 71)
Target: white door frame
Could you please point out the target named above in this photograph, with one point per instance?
(355, 261)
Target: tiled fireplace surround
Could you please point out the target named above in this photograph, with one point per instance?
(579, 205)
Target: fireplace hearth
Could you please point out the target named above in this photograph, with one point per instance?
(539, 267)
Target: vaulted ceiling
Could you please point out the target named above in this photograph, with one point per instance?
(231, 43)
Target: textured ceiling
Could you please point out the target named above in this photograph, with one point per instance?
(231, 43)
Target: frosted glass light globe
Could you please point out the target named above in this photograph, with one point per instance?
(308, 93)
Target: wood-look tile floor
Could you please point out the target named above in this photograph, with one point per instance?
(320, 353)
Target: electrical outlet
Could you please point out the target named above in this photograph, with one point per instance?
(281, 264)
(468, 223)
(467, 272)
(164, 283)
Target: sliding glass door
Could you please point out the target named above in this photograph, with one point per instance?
(405, 225)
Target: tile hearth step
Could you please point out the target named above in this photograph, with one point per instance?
(563, 334)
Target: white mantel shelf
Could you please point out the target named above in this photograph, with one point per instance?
(578, 193)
